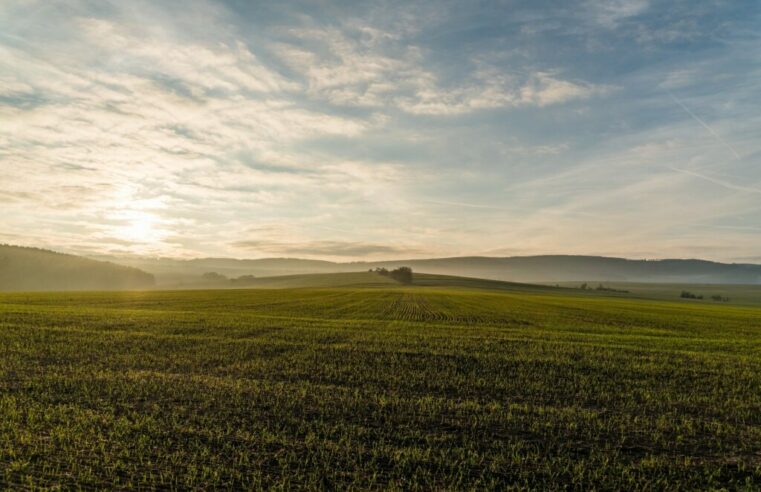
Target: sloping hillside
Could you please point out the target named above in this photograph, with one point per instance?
(32, 269)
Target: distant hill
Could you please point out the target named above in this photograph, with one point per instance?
(185, 273)
(319, 280)
(32, 269)
(365, 279)
(563, 268)
(542, 269)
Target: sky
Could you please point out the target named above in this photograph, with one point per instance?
(364, 130)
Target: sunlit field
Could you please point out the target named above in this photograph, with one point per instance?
(378, 387)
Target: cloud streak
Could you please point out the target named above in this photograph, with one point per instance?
(707, 127)
(725, 184)
(331, 249)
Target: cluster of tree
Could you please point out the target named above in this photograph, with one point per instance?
(689, 295)
(402, 274)
(602, 288)
(214, 277)
(243, 279)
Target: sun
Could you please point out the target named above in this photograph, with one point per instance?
(139, 227)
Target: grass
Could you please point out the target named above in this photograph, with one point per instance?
(749, 295)
(378, 387)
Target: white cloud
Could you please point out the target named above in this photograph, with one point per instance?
(324, 248)
(201, 67)
(544, 89)
(488, 90)
(381, 72)
(678, 79)
(609, 13)
(130, 118)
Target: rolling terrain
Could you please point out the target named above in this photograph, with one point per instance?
(35, 269)
(381, 386)
(743, 295)
(749, 295)
(32, 269)
(368, 279)
(526, 269)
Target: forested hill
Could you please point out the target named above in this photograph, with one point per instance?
(32, 269)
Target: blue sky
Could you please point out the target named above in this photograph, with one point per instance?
(363, 130)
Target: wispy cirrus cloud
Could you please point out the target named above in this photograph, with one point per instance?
(611, 12)
(370, 68)
(323, 249)
(377, 129)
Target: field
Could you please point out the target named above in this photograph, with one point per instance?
(382, 386)
(745, 295)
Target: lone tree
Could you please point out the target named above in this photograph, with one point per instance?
(402, 274)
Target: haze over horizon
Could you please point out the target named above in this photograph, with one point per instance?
(352, 131)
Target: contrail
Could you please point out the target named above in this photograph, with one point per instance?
(737, 228)
(705, 125)
(513, 209)
(719, 182)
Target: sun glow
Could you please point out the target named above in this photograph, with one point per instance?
(139, 227)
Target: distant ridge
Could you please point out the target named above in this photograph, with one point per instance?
(33, 269)
(543, 268)
(563, 268)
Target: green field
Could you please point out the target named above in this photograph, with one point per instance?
(382, 386)
(746, 295)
